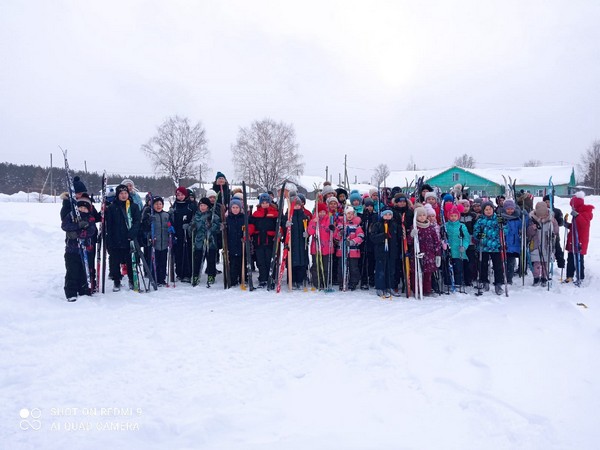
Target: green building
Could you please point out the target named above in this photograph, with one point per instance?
(490, 182)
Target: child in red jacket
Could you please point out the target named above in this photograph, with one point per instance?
(579, 233)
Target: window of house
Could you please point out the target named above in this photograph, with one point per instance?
(455, 176)
(539, 193)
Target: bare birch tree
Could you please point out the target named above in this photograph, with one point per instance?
(266, 154)
(382, 171)
(179, 149)
(465, 161)
(532, 163)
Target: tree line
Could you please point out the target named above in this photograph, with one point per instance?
(31, 178)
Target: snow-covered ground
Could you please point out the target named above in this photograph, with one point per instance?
(203, 368)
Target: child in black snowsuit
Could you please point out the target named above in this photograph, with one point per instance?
(83, 230)
(299, 243)
(385, 238)
(119, 235)
(235, 240)
(156, 226)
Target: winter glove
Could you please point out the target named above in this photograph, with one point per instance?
(461, 249)
(171, 229)
(84, 224)
(351, 243)
(288, 223)
(305, 235)
(574, 213)
(222, 227)
(438, 261)
(331, 227)
(72, 235)
(444, 245)
(414, 233)
(185, 226)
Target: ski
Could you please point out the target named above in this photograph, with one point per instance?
(77, 218)
(274, 269)
(248, 250)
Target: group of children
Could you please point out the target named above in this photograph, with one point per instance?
(346, 241)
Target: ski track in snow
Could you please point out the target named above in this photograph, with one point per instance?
(220, 370)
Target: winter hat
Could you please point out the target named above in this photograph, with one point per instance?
(120, 188)
(448, 198)
(181, 190)
(210, 193)
(191, 193)
(264, 197)
(302, 198)
(386, 211)
(158, 199)
(332, 200)
(464, 202)
(148, 197)
(577, 200)
(349, 209)
(85, 200)
(420, 210)
(340, 191)
(455, 209)
(239, 196)
(321, 207)
(400, 198)
(426, 187)
(368, 202)
(396, 190)
(429, 209)
(327, 190)
(295, 200)
(235, 201)
(541, 209)
(429, 195)
(127, 181)
(478, 200)
(78, 185)
(220, 175)
(372, 191)
(205, 201)
(355, 196)
(486, 204)
(509, 204)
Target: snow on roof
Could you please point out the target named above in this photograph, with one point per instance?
(536, 176)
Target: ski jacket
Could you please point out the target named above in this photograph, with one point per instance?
(378, 237)
(181, 212)
(368, 219)
(490, 229)
(324, 238)
(74, 233)
(206, 226)
(582, 223)
(161, 222)
(469, 220)
(514, 227)
(429, 245)
(235, 233)
(408, 216)
(66, 208)
(353, 233)
(263, 225)
(297, 241)
(118, 234)
(458, 239)
(542, 232)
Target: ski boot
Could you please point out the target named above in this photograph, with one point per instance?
(116, 285)
(498, 289)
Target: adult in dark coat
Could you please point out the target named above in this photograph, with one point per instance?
(119, 234)
(298, 243)
(385, 231)
(182, 213)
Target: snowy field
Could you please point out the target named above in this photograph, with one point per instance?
(198, 368)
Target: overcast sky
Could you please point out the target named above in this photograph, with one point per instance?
(381, 81)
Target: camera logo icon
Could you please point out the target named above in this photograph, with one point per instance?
(30, 419)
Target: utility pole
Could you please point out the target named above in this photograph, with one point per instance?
(51, 181)
(326, 173)
(85, 165)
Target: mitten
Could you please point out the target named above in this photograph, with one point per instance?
(414, 233)
(185, 226)
(83, 224)
(331, 227)
(171, 229)
(288, 223)
(438, 261)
